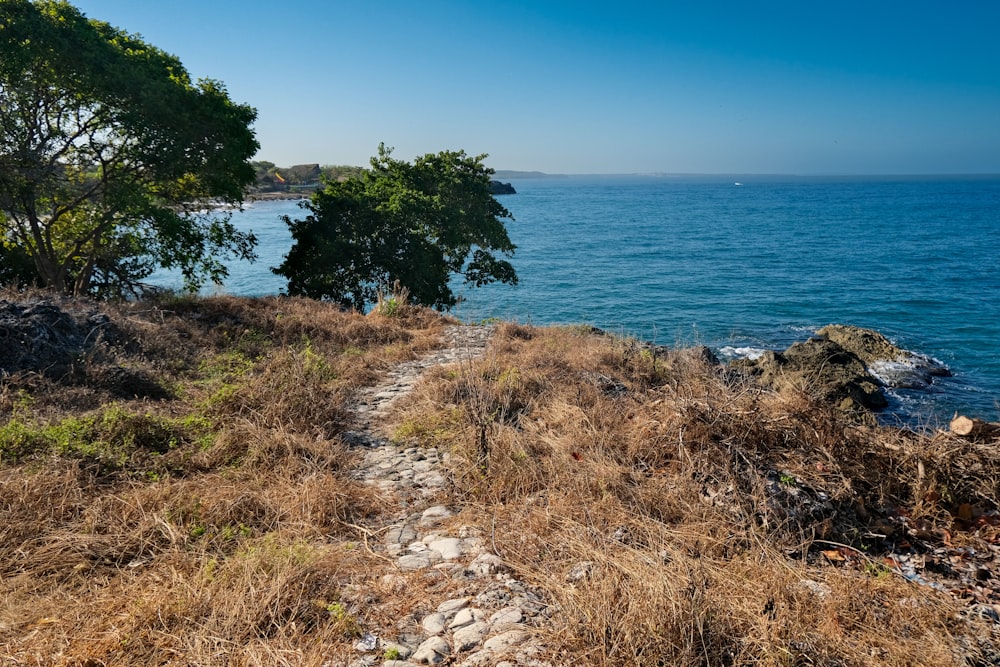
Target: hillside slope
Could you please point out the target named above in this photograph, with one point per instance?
(271, 481)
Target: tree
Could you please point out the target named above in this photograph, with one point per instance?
(418, 224)
(111, 158)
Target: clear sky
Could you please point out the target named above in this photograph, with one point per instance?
(873, 87)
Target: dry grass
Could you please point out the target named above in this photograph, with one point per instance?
(181, 496)
(210, 521)
(676, 514)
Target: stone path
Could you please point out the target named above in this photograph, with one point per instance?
(491, 622)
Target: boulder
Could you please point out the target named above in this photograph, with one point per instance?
(866, 344)
(891, 365)
(822, 367)
(845, 365)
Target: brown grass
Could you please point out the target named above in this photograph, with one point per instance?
(225, 532)
(675, 514)
(182, 496)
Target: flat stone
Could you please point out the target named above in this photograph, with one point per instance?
(431, 478)
(398, 663)
(581, 570)
(436, 512)
(469, 637)
(486, 564)
(448, 547)
(505, 619)
(434, 624)
(472, 545)
(462, 618)
(494, 598)
(417, 561)
(367, 643)
(506, 640)
(432, 652)
(394, 582)
(453, 605)
(402, 650)
(482, 658)
(450, 567)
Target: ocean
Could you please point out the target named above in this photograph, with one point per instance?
(745, 263)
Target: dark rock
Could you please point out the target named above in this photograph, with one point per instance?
(702, 354)
(891, 365)
(40, 336)
(822, 367)
(867, 345)
(498, 188)
(845, 365)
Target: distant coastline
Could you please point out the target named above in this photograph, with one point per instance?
(511, 174)
(279, 196)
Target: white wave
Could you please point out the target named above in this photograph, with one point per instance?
(915, 371)
(751, 353)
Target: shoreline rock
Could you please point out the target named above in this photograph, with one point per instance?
(498, 188)
(892, 366)
(846, 366)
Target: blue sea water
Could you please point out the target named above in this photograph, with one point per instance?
(747, 262)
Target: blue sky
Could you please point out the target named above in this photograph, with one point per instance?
(597, 87)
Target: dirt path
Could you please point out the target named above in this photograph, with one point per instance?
(490, 619)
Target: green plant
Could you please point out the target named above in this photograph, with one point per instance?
(110, 437)
(877, 570)
(391, 653)
(343, 619)
(315, 364)
(230, 532)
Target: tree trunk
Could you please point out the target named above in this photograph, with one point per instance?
(52, 273)
(973, 429)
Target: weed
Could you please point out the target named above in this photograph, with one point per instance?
(343, 620)
(392, 305)
(112, 437)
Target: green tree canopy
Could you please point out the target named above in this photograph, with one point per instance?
(417, 223)
(111, 157)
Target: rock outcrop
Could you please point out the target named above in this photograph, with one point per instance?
(892, 365)
(822, 367)
(844, 365)
(498, 188)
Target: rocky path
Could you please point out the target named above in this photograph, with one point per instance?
(489, 621)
